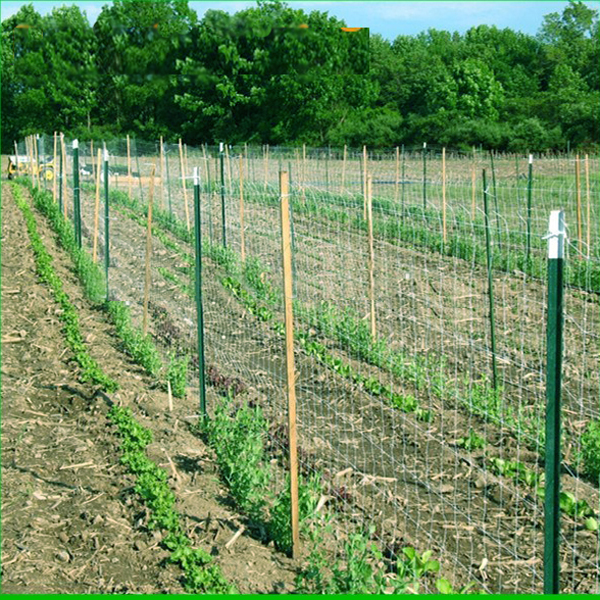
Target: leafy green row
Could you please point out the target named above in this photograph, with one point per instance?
(354, 336)
(140, 348)
(90, 369)
(238, 438)
(201, 575)
(520, 473)
(331, 208)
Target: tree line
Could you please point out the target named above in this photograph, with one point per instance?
(278, 75)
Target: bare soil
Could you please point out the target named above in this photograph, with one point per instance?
(407, 478)
(71, 522)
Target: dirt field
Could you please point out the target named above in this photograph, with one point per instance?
(408, 478)
(70, 519)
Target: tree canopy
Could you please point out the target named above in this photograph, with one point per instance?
(275, 74)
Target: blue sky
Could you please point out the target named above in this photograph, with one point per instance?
(390, 18)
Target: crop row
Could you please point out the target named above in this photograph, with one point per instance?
(354, 336)
(201, 575)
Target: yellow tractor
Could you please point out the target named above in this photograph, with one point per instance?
(21, 165)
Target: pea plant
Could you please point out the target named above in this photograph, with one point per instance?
(201, 574)
(90, 369)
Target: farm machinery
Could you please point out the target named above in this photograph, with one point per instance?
(22, 165)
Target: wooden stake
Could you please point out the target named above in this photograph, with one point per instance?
(97, 208)
(369, 205)
(148, 252)
(242, 240)
(170, 394)
(162, 175)
(129, 166)
(205, 165)
(444, 193)
(397, 174)
(37, 161)
(578, 186)
(65, 176)
(54, 170)
(587, 202)
(185, 200)
(365, 182)
(289, 344)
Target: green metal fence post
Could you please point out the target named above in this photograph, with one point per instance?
(222, 166)
(556, 239)
(76, 201)
(210, 197)
(529, 187)
(424, 175)
(490, 282)
(106, 221)
(403, 180)
(200, 317)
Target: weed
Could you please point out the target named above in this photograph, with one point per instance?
(472, 441)
(590, 450)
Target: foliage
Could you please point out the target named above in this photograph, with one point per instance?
(363, 569)
(201, 575)
(90, 369)
(140, 347)
(238, 441)
(277, 74)
(590, 450)
(177, 375)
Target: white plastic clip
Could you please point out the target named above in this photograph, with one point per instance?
(105, 155)
(557, 234)
(75, 144)
(531, 159)
(196, 178)
(220, 146)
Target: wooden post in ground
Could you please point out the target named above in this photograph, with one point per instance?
(37, 160)
(148, 252)
(242, 239)
(365, 182)
(587, 202)
(578, 188)
(289, 345)
(129, 177)
(97, 208)
(162, 174)
(65, 176)
(444, 194)
(369, 205)
(54, 169)
(185, 200)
